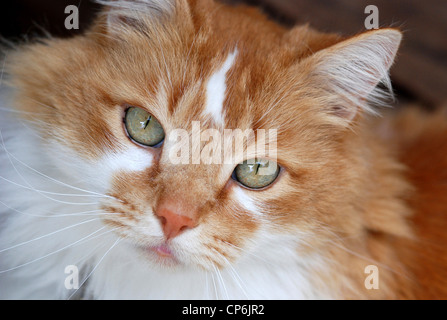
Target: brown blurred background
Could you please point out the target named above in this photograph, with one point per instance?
(420, 73)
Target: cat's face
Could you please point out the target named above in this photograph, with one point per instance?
(218, 69)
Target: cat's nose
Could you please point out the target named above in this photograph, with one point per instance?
(173, 222)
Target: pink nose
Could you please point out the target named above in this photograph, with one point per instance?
(173, 223)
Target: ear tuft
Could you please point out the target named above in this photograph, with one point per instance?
(122, 13)
(351, 70)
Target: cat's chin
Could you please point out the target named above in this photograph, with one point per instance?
(166, 257)
(161, 256)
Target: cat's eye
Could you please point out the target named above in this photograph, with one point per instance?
(143, 128)
(256, 173)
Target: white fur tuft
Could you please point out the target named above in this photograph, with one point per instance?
(352, 69)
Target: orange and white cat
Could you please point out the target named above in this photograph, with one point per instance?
(93, 206)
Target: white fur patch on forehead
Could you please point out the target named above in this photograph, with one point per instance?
(245, 201)
(216, 89)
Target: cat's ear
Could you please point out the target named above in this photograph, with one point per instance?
(120, 14)
(349, 72)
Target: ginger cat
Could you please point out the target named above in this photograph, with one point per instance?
(112, 184)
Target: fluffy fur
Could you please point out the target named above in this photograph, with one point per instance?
(354, 190)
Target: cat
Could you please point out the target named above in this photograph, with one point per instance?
(92, 205)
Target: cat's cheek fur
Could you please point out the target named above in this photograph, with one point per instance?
(99, 171)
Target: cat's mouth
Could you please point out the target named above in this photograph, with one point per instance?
(161, 253)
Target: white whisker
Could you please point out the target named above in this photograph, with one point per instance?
(93, 270)
(42, 193)
(47, 235)
(41, 104)
(214, 285)
(31, 188)
(207, 285)
(237, 279)
(51, 253)
(370, 260)
(31, 131)
(21, 111)
(248, 252)
(221, 281)
(54, 215)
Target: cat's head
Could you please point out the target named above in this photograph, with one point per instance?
(124, 104)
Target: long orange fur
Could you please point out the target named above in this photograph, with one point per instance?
(373, 192)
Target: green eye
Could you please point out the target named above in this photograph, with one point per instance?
(256, 173)
(143, 128)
